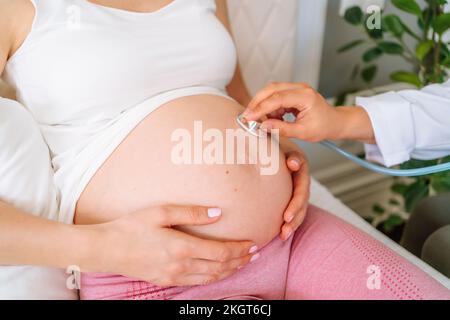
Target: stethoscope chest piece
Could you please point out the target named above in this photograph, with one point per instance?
(252, 127)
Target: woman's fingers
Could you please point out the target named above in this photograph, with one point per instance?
(170, 216)
(273, 88)
(197, 248)
(207, 259)
(301, 183)
(200, 266)
(289, 229)
(202, 272)
(203, 279)
(296, 210)
(294, 161)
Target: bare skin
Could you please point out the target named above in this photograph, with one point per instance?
(129, 245)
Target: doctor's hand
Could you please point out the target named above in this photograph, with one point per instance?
(315, 119)
(144, 245)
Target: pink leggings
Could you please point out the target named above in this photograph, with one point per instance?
(326, 259)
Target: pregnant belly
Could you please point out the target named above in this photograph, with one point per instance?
(145, 170)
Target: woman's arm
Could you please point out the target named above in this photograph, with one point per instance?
(237, 88)
(142, 245)
(30, 240)
(5, 36)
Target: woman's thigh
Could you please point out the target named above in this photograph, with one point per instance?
(263, 279)
(332, 260)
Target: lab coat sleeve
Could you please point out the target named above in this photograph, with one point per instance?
(409, 124)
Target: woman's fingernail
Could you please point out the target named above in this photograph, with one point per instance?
(295, 162)
(289, 235)
(290, 218)
(253, 249)
(255, 257)
(214, 212)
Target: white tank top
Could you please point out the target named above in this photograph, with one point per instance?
(89, 74)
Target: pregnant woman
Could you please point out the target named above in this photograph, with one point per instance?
(109, 83)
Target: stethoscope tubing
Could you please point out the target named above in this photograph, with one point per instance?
(253, 128)
(387, 171)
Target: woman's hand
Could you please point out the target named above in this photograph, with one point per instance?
(316, 120)
(295, 213)
(145, 246)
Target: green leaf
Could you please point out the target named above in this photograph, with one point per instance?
(375, 34)
(445, 55)
(445, 160)
(392, 222)
(416, 164)
(369, 73)
(409, 6)
(394, 25)
(407, 77)
(414, 194)
(442, 23)
(390, 47)
(378, 209)
(372, 54)
(394, 202)
(423, 49)
(369, 219)
(355, 73)
(446, 62)
(441, 183)
(354, 15)
(411, 33)
(351, 45)
(399, 188)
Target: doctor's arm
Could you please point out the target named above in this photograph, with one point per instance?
(395, 126)
(409, 124)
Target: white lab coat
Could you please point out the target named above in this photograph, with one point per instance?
(409, 124)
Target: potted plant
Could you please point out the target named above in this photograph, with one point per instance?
(430, 60)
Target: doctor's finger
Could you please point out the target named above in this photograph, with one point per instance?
(288, 100)
(285, 129)
(273, 88)
(277, 114)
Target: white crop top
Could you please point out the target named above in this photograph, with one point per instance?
(89, 74)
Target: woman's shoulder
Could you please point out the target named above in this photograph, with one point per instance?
(16, 19)
(16, 10)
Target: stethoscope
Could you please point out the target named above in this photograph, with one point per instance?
(254, 128)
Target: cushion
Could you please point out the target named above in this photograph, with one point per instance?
(27, 183)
